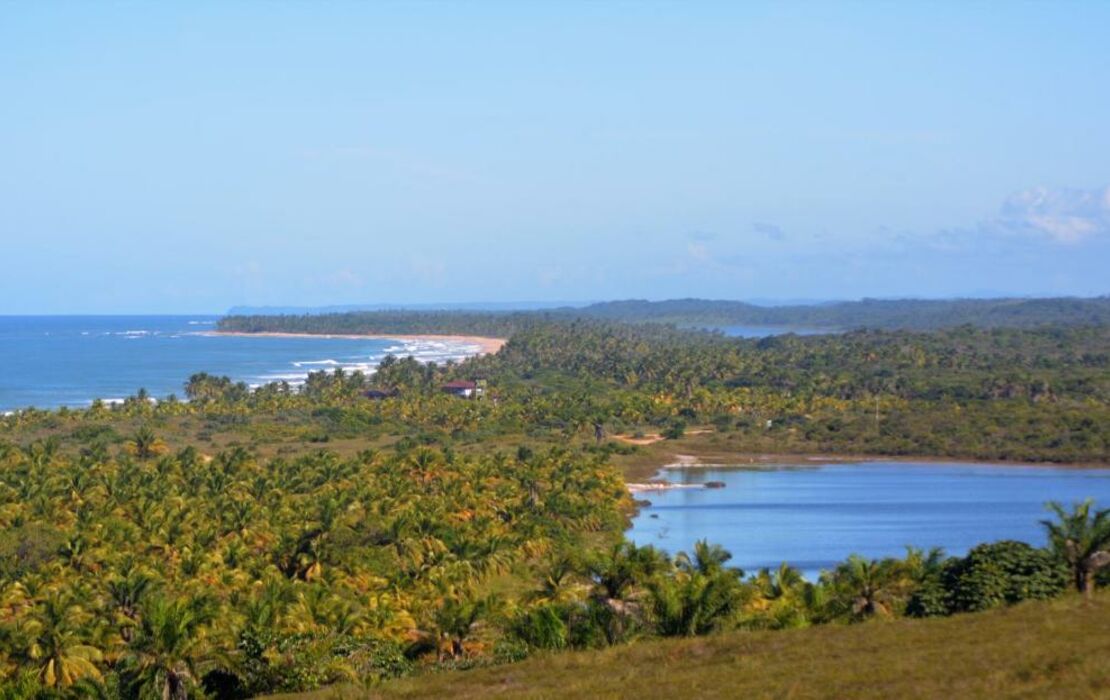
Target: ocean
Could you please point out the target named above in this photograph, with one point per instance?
(53, 361)
(814, 515)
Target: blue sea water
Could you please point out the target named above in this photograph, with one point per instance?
(813, 516)
(52, 361)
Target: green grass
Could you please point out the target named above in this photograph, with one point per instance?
(1035, 650)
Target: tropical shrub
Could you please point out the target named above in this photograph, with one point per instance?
(1002, 573)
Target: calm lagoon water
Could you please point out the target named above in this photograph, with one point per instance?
(814, 516)
(51, 361)
(767, 331)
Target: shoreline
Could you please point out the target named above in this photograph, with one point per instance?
(763, 459)
(652, 486)
(651, 461)
(658, 482)
(489, 346)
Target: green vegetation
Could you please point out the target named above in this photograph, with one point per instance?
(916, 314)
(138, 576)
(1001, 394)
(174, 549)
(498, 324)
(1054, 649)
(920, 314)
(153, 574)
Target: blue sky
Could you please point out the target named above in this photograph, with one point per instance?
(186, 157)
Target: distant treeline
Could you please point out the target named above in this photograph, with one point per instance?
(912, 314)
(492, 323)
(959, 364)
(868, 313)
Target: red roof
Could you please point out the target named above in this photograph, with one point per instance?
(460, 384)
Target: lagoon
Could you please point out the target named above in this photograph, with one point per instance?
(813, 515)
(767, 331)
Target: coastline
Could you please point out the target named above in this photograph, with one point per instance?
(651, 468)
(771, 460)
(489, 346)
(651, 486)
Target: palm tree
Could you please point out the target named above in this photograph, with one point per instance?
(780, 599)
(558, 584)
(144, 444)
(1082, 539)
(56, 647)
(866, 588)
(531, 483)
(171, 648)
(707, 558)
(624, 566)
(784, 580)
(75, 551)
(694, 602)
(455, 621)
(922, 565)
(126, 593)
(616, 575)
(266, 608)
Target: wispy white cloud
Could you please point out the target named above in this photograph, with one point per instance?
(1062, 215)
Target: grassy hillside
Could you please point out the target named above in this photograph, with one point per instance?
(1034, 650)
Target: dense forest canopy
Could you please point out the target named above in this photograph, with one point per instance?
(916, 314)
(1020, 394)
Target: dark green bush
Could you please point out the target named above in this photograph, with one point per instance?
(1003, 573)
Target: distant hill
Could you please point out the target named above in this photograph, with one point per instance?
(917, 314)
(497, 306)
(890, 314)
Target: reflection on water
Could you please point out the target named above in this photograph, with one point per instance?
(813, 516)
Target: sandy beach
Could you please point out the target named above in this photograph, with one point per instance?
(488, 345)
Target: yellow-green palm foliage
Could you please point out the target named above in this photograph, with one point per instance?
(166, 560)
(56, 643)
